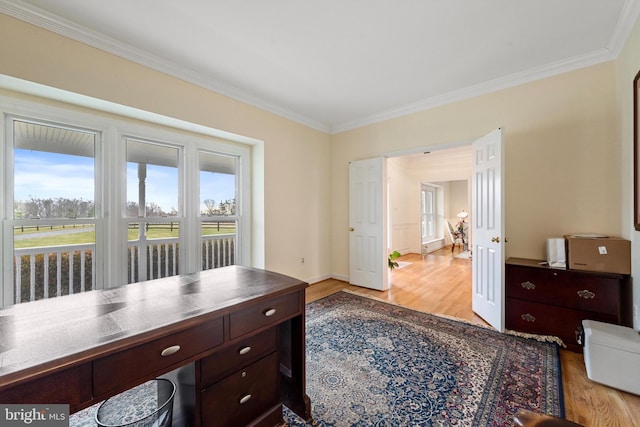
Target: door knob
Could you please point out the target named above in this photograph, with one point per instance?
(495, 239)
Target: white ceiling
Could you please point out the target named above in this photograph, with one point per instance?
(339, 64)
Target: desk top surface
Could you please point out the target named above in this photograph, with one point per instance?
(39, 335)
(541, 264)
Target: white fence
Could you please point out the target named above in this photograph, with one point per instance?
(158, 258)
(64, 281)
(218, 250)
(36, 279)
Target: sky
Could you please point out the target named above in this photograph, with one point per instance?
(43, 175)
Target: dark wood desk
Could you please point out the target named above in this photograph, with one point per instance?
(230, 322)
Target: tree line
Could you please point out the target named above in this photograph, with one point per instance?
(60, 207)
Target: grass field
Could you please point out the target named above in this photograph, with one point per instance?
(76, 237)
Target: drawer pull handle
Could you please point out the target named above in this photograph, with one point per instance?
(245, 350)
(586, 294)
(170, 350)
(528, 285)
(270, 312)
(528, 318)
(245, 399)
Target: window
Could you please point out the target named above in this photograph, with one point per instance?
(91, 201)
(153, 182)
(54, 214)
(429, 210)
(218, 210)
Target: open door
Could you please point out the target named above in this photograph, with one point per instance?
(488, 230)
(367, 222)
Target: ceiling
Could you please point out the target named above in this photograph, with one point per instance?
(339, 64)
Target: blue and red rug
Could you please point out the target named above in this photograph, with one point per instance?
(371, 363)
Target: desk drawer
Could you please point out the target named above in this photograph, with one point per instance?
(564, 288)
(242, 396)
(544, 319)
(146, 360)
(237, 356)
(72, 386)
(265, 313)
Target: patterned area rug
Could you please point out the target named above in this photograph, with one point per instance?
(371, 363)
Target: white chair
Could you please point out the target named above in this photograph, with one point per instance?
(454, 236)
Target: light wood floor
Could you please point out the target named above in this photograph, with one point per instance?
(441, 284)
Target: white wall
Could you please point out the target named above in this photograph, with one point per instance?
(459, 199)
(627, 66)
(404, 207)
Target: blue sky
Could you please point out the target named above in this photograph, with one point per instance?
(49, 175)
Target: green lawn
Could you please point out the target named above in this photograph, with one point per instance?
(89, 235)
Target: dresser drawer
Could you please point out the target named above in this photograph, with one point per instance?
(265, 313)
(147, 360)
(543, 319)
(562, 288)
(243, 396)
(237, 356)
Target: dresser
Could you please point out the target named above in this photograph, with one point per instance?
(552, 301)
(240, 330)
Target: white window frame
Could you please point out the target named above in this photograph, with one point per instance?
(182, 242)
(238, 217)
(429, 218)
(110, 199)
(8, 199)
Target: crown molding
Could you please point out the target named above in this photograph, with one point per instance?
(626, 21)
(25, 12)
(516, 79)
(74, 31)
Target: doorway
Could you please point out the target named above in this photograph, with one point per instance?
(488, 228)
(446, 177)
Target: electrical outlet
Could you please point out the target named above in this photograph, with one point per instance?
(302, 260)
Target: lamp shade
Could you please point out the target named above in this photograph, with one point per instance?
(462, 214)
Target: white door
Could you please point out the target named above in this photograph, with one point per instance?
(367, 221)
(488, 231)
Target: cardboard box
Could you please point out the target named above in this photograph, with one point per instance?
(599, 253)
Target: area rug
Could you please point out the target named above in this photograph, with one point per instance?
(464, 255)
(371, 363)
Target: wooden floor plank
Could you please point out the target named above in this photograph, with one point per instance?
(439, 283)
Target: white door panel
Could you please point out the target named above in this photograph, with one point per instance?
(488, 230)
(367, 221)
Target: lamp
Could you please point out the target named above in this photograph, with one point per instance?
(462, 215)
